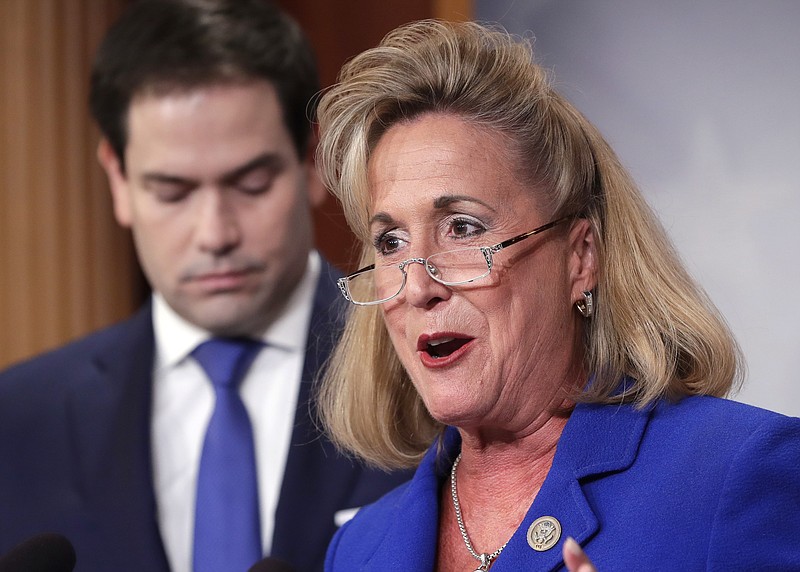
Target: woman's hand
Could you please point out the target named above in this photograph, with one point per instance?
(575, 558)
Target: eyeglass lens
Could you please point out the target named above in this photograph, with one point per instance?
(451, 267)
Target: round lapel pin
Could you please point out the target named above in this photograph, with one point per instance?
(544, 533)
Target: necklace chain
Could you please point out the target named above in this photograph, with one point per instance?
(485, 559)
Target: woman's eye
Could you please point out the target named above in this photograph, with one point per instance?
(466, 228)
(387, 243)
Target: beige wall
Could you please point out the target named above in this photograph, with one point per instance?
(699, 99)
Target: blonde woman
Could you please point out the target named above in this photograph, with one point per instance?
(524, 332)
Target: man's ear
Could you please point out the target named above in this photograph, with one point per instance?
(317, 193)
(117, 182)
(583, 263)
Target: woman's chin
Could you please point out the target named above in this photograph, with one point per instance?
(456, 412)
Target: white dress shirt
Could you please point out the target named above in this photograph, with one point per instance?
(183, 400)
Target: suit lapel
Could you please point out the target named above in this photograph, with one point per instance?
(109, 424)
(317, 479)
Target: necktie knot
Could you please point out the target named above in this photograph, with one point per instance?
(226, 360)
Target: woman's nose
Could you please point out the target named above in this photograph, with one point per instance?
(421, 289)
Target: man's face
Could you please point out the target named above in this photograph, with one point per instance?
(218, 202)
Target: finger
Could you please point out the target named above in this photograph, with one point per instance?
(575, 558)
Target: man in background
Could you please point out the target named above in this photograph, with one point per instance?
(184, 438)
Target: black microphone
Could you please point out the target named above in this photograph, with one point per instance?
(47, 552)
(270, 564)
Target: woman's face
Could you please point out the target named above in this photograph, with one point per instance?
(498, 352)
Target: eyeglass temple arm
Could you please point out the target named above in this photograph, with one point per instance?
(516, 239)
(342, 282)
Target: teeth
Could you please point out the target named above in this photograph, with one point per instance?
(440, 341)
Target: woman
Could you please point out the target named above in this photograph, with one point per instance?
(523, 330)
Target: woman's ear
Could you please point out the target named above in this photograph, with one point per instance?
(117, 182)
(583, 263)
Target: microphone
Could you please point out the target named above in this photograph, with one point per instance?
(270, 564)
(47, 552)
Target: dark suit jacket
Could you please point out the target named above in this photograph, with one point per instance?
(75, 451)
(704, 484)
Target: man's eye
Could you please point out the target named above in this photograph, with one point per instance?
(256, 182)
(253, 189)
(169, 192)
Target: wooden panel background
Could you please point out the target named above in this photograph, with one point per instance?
(65, 267)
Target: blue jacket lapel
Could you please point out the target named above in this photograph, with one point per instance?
(597, 440)
(412, 521)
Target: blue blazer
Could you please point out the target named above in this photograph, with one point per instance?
(704, 484)
(75, 451)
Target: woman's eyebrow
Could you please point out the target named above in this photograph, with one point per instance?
(445, 201)
(381, 217)
(439, 203)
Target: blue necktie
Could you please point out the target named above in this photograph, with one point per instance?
(227, 531)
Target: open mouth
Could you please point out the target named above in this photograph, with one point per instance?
(443, 347)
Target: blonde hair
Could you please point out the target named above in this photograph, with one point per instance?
(652, 324)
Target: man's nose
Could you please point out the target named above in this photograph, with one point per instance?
(218, 229)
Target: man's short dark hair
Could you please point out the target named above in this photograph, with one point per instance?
(165, 46)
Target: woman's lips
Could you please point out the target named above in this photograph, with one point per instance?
(442, 349)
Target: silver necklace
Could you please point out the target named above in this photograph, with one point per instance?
(484, 559)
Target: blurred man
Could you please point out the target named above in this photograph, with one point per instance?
(184, 439)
